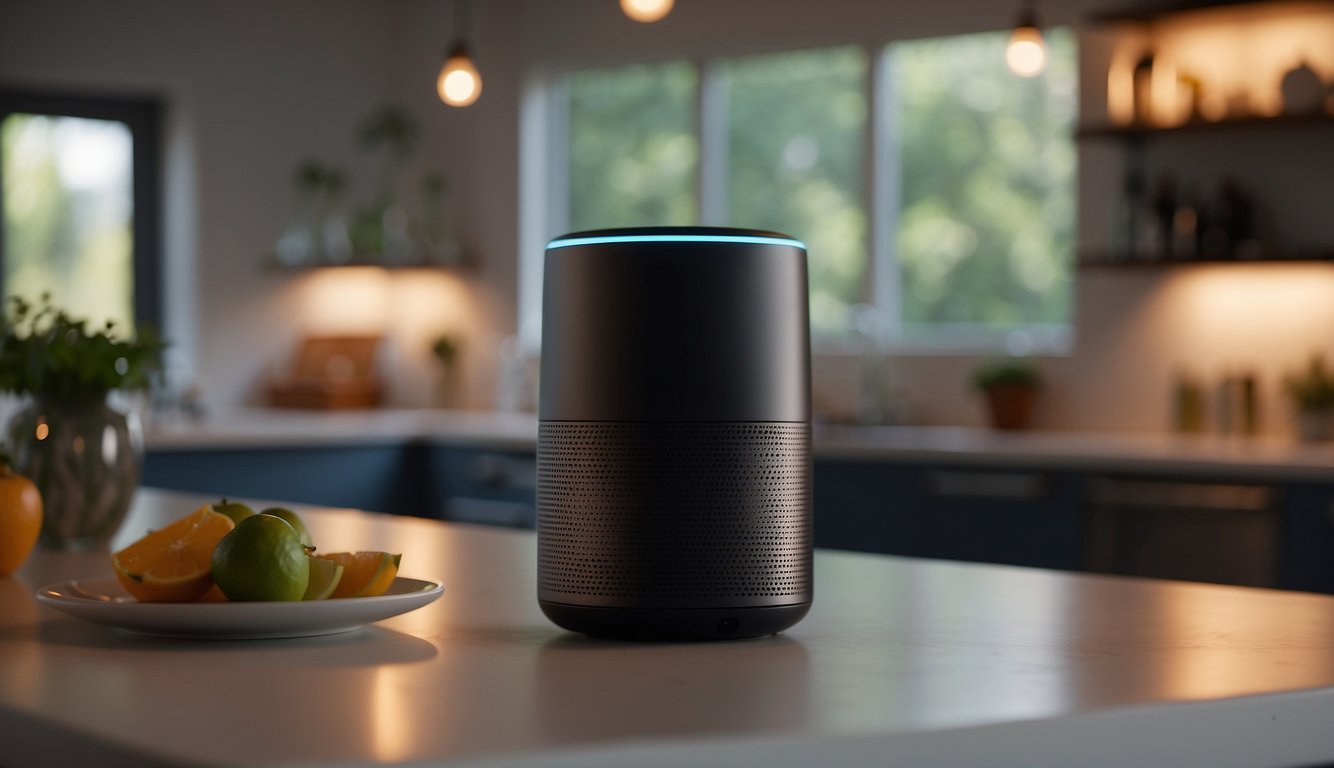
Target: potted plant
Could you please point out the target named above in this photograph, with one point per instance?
(1311, 390)
(1010, 387)
(83, 452)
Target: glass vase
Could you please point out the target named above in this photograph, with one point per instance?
(85, 457)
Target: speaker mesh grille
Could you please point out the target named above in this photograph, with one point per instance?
(674, 513)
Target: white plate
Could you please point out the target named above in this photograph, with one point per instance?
(104, 601)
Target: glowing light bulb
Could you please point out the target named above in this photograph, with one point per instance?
(459, 83)
(647, 10)
(1026, 55)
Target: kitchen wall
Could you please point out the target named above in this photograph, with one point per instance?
(255, 86)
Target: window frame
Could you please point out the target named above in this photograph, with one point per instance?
(143, 117)
(879, 197)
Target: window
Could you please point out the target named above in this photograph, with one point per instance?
(927, 181)
(632, 151)
(80, 207)
(985, 182)
(796, 124)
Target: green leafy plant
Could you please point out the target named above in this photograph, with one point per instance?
(1014, 372)
(46, 353)
(445, 349)
(1312, 388)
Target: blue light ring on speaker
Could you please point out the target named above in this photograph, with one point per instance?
(694, 239)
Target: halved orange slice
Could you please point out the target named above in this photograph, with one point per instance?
(173, 564)
(365, 574)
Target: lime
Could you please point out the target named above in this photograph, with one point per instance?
(233, 509)
(295, 521)
(324, 578)
(261, 559)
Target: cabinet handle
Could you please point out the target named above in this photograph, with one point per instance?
(503, 472)
(1020, 486)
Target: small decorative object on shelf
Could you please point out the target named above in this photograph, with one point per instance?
(1311, 390)
(331, 373)
(1011, 388)
(83, 452)
(1303, 90)
(387, 231)
(445, 350)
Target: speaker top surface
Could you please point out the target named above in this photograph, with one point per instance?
(675, 235)
(675, 324)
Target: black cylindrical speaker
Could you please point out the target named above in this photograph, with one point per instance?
(673, 459)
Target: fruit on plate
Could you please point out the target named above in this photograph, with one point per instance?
(262, 559)
(293, 520)
(324, 578)
(365, 574)
(173, 564)
(20, 518)
(233, 509)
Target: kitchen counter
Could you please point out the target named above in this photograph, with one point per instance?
(1257, 458)
(930, 662)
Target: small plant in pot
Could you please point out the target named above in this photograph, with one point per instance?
(1011, 387)
(82, 451)
(1311, 390)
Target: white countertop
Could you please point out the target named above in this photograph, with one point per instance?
(1255, 458)
(927, 662)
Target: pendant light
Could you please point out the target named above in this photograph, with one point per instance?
(647, 10)
(459, 83)
(1026, 55)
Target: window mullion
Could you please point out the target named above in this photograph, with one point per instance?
(882, 191)
(711, 132)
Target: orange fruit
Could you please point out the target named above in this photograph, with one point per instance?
(365, 574)
(20, 518)
(173, 564)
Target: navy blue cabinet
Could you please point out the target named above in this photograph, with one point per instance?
(1012, 516)
(1307, 543)
(1065, 519)
(490, 487)
(864, 507)
(378, 478)
(1019, 517)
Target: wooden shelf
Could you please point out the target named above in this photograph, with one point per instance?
(1148, 12)
(1104, 260)
(1139, 131)
(464, 262)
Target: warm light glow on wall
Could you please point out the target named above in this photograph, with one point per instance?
(351, 300)
(647, 10)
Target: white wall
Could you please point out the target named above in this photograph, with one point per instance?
(254, 86)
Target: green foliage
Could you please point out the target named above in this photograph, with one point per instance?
(795, 146)
(632, 148)
(1312, 388)
(445, 349)
(1011, 372)
(47, 354)
(985, 161)
(987, 172)
(389, 129)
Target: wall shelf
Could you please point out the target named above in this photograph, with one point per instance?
(1140, 131)
(1099, 260)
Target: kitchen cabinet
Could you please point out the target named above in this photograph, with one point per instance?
(379, 478)
(863, 506)
(1308, 538)
(1017, 516)
(996, 515)
(481, 486)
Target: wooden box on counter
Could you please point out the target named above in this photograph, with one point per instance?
(331, 373)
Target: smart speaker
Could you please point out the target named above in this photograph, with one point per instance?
(673, 455)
